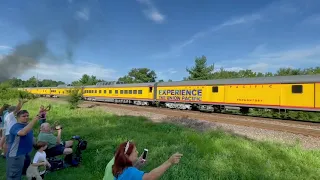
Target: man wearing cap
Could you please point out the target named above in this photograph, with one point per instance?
(10, 120)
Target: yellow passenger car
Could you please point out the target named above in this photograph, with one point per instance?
(120, 93)
(282, 92)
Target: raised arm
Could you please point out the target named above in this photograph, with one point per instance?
(59, 136)
(159, 171)
(4, 107)
(19, 105)
(44, 163)
(48, 108)
(28, 128)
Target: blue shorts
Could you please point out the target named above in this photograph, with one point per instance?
(55, 151)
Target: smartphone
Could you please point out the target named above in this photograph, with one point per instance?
(144, 155)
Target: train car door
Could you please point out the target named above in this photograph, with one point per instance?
(297, 96)
(150, 92)
(216, 94)
(317, 96)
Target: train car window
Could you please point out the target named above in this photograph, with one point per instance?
(134, 91)
(215, 89)
(100, 91)
(110, 91)
(130, 91)
(150, 89)
(125, 91)
(95, 91)
(116, 91)
(297, 89)
(139, 91)
(121, 91)
(105, 91)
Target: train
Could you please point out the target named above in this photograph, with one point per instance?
(300, 92)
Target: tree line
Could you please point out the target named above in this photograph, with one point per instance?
(200, 71)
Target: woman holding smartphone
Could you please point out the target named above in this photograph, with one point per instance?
(127, 155)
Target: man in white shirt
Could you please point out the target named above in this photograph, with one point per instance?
(10, 120)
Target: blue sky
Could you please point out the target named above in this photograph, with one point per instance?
(165, 35)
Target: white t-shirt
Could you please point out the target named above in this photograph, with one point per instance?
(38, 158)
(9, 121)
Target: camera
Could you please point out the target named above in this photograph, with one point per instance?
(145, 153)
(58, 127)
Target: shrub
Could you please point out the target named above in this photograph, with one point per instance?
(74, 98)
(11, 93)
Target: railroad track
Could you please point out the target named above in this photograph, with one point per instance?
(295, 127)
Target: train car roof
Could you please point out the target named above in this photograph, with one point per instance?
(50, 87)
(256, 80)
(124, 85)
(297, 79)
(101, 86)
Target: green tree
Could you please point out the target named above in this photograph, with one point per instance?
(201, 71)
(31, 82)
(139, 75)
(86, 80)
(161, 80)
(288, 72)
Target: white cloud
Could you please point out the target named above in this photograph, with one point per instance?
(262, 60)
(70, 72)
(313, 19)
(176, 49)
(172, 71)
(152, 12)
(83, 14)
(231, 22)
(239, 20)
(272, 11)
(5, 47)
(165, 75)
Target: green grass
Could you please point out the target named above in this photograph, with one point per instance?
(209, 155)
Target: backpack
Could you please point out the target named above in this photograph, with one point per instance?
(56, 164)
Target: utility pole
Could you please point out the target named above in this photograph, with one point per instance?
(37, 79)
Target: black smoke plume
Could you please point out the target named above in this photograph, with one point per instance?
(40, 19)
(22, 58)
